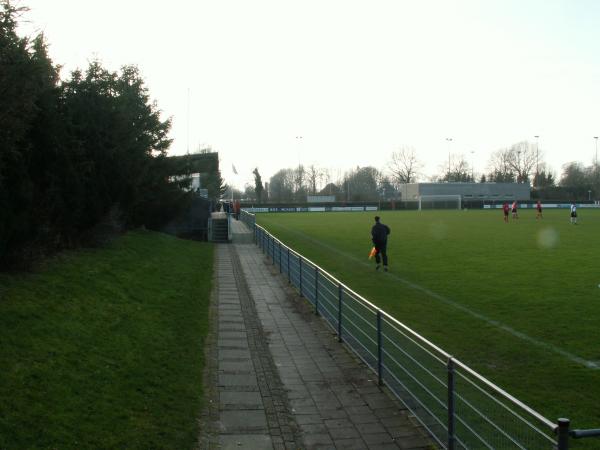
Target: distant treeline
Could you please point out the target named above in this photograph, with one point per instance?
(75, 153)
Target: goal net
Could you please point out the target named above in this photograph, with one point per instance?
(440, 202)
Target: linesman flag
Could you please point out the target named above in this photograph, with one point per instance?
(234, 171)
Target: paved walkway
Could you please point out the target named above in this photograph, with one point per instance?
(278, 378)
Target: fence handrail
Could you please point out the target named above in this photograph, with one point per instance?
(418, 339)
(360, 297)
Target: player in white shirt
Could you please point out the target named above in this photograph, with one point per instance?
(573, 213)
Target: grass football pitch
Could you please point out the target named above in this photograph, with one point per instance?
(519, 302)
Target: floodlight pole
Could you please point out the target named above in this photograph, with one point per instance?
(472, 166)
(449, 140)
(537, 158)
(596, 159)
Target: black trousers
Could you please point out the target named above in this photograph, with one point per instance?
(381, 253)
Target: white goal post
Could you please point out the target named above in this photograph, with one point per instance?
(453, 201)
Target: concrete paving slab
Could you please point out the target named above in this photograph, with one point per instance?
(248, 441)
(226, 379)
(236, 421)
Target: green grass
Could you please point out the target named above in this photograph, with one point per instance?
(104, 348)
(539, 278)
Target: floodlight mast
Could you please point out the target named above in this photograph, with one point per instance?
(449, 141)
(596, 159)
(537, 154)
(472, 166)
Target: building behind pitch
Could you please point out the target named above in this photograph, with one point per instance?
(468, 191)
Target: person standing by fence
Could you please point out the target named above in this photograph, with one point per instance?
(379, 234)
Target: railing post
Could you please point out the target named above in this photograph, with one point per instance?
(451, 418)
(340, 294)
(288, 267)
(563, 434)
(273, 244)
(280, 259)
(316, 291)
(300, 272)
(379, 350)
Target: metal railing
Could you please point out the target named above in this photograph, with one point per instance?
(459, 408)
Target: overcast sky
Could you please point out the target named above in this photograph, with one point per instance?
(355, 79)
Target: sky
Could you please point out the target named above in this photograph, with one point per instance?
(341, 84)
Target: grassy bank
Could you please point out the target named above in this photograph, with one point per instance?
(103, 348)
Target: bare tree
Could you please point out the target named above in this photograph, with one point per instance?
(300, 189)
(522, 159)
(313, 174)
(299, 177)
(516, 163)
(459, 170)
(499, 167)
(405, 165)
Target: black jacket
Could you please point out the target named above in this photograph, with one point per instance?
(380, 232)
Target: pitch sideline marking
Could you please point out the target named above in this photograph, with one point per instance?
(518, 334)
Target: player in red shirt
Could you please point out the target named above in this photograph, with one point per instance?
(505, 209)
(514, 210)
(539, 210)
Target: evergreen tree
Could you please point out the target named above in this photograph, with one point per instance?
(258, 185)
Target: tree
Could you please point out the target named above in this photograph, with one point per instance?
(522, 158)
(300, 190)
(258, 185)
(544, 178)
(331, 189)
(361, 184)
(386, 189)
(514, 164)
(250, 192)
(281, 186)
(576, 179)
(500, 167)
(73, 152)
(28, 99)
(459, 170)
(405, 166)
(313, 174)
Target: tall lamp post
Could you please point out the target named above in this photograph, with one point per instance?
(596, 159)
(472, 166)
(449, 141)
(537, 157)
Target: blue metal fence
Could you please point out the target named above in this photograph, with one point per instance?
(458, 407)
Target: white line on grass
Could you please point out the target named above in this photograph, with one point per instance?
(441, 298)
